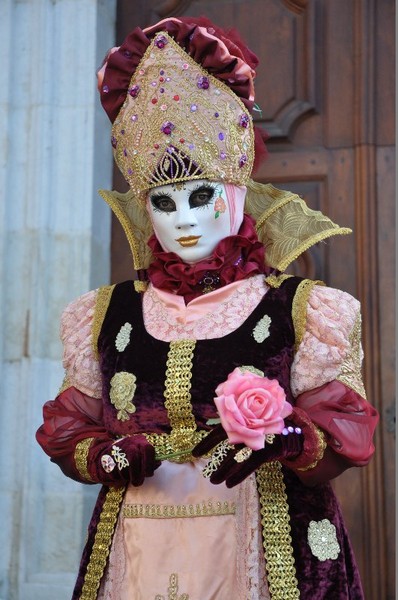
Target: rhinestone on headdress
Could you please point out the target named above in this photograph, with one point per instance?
(190, 125)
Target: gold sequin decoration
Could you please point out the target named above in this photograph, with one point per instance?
(178, 396)
(299, 308)
(277, 541)
(178, 511)
(350, 372)
(104, 295)
(261, 330)
(172, 590)
(81, 457)
(102, 543)
(322, 540)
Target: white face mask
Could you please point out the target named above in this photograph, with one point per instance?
(190, 218)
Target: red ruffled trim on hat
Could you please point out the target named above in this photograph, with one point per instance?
(204, 49)
(169, 272)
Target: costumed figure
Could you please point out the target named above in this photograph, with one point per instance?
(215, 396)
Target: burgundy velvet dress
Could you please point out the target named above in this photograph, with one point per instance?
(306, 551)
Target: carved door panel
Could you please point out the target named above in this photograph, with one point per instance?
(325, 89)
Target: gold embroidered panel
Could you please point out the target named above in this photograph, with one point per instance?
(178, 511)
(299, 308)
(101, 306)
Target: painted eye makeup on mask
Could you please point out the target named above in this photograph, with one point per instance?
(162, 202)
(202, 196)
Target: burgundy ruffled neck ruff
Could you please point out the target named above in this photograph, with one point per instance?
(236, 257)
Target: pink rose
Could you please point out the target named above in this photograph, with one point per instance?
(250, 407)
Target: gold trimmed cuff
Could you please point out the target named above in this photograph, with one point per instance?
(81, 458)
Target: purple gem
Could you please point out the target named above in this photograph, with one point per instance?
(160, 42)
(113, 141)
(243, 160)
(167, 127)
(285, 431)
(244, 121)
(168, 78)
(105, 89)
(216, 114)
(127, 53)
(203, 83)
(124, 151)
(122, 131)
(134, 91)
(134, 118)
(194, 107)
(290, 429)
(223, 156)
(191, 146)
(130, 171)
(297, 430)
(161, 90)
(221, 136)
(161, 72)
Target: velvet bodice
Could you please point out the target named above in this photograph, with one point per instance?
(213, 359)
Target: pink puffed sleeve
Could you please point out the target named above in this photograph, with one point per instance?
(326, 375)
(333, 318)
(80, 364)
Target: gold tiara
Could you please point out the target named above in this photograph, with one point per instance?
(178, 122)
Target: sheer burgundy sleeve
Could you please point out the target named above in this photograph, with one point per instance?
(74, 437)
(348, 422)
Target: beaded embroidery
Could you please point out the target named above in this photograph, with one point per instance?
(172, 590)
(167, 129)
(261, 330)
(123, 386)
(322, 540)
(123, 337)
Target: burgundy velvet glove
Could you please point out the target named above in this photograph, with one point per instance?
(128, 460)
(234, 464)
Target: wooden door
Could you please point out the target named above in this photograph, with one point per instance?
(326, 91)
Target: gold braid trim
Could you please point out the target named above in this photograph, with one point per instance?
(350, 372)
(275, 281)
(165, 446)
(101, 306)
(178, 396)
(299, 308)
(102, 543)
(322, 445)
(178, 511)
(277, 541)
(81, 456)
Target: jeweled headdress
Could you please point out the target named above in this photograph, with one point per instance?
(180, 96)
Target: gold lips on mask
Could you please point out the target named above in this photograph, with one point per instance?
(188, 241)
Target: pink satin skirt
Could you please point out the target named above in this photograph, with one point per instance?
(180, 537)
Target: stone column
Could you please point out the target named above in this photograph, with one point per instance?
(54, 245)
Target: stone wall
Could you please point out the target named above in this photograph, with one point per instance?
(54, 245)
